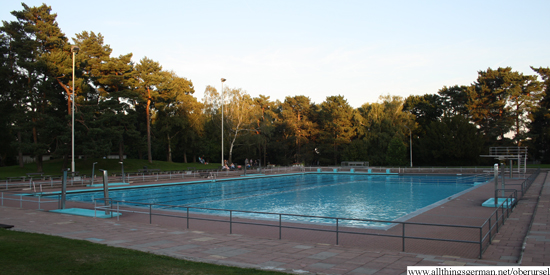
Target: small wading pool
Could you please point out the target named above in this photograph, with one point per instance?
(353, 196)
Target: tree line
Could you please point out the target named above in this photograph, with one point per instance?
(143, 111)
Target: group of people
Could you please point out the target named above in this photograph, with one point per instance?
(251, 163)
(228, 167)
(247, 163)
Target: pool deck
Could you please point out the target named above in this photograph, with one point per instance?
(523, 240)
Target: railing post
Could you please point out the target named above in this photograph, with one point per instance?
(117, 211)
(187, 217)
(490, 231)
(497, 220)
(337, 231)
(150, 213)
(279, 226)
(508, 207)
(230, 221)
(480, 241)
(403, 238)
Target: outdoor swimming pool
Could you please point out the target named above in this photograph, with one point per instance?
(354, 196)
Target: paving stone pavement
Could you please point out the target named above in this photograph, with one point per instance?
(293, 256)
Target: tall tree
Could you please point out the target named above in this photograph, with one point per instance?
(38, 48)
(524, 96)
(239, 116)
(487, 102)
(451, 141)
(172, 115)
(7, 109)
(454, 100)
(149, 79)
(265, 125)
(426, 108)
(539, 125)
(381, 121)
(335, 119)
(296, 116)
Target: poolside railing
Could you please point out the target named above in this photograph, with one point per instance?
(281, 222)
(485, 235)
(14, 199)
(333, 225)
(24, 182)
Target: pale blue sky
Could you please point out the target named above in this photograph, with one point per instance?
(358, 49)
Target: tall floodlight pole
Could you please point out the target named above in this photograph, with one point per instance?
(410, 145)
(93, 171)
(223, 101)
(123, 176)
(74, 49)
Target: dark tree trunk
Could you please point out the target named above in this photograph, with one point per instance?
(21, 163)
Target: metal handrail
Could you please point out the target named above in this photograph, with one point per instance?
(20, 199)
(500, 219)
(337, 231)
(500, 214)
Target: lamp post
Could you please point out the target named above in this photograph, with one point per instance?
(123, 177)
(410, 145)
(223, 101)
(74, 50)
(93, 172)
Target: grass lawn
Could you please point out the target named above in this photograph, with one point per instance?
(84, 167)
(30, 253)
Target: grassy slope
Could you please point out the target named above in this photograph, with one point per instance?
(29, 253)
(84, 167)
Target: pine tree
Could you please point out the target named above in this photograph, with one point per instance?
(149, 78)
(335, 119)
(539, 127)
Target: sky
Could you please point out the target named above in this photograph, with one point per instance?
(358, 49)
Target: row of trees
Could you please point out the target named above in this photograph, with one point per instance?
(140, 110)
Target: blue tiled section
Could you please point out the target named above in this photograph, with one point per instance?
(491, 202)
(86, 213)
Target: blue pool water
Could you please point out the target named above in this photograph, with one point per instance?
(359, 196)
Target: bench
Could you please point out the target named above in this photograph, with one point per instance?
(207, 174)
(355, 163)
(148, 171)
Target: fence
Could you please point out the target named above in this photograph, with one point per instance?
(19, 200)
(406, 233)
(401, 232)
(480, 236)
(36, 184)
